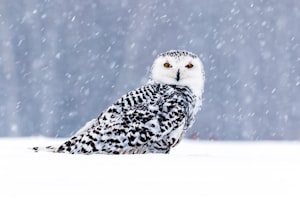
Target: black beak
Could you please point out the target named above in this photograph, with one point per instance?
(178, 75)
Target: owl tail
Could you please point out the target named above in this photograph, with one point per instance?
(46, 149)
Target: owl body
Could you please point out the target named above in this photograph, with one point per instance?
(150, 119)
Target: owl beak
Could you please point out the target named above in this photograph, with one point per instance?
(178, 75)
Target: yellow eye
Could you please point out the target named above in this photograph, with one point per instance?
(167, 65)
(189, 66)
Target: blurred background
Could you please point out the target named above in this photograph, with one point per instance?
(63, 62)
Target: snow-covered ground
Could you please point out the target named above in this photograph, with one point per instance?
(193, 170)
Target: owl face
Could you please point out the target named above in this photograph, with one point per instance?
(178, 67)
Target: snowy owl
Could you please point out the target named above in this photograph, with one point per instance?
(150, 119)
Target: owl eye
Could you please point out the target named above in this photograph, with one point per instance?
(189, 66)
(167, 65)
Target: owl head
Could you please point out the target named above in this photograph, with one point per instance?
(179, 67)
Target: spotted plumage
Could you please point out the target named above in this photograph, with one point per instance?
(150, 119)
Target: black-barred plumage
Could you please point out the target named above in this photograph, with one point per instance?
(150, 119)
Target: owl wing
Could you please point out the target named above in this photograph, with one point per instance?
(148, 119)
(146, 115)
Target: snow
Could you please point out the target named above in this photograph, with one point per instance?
(193, 170)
